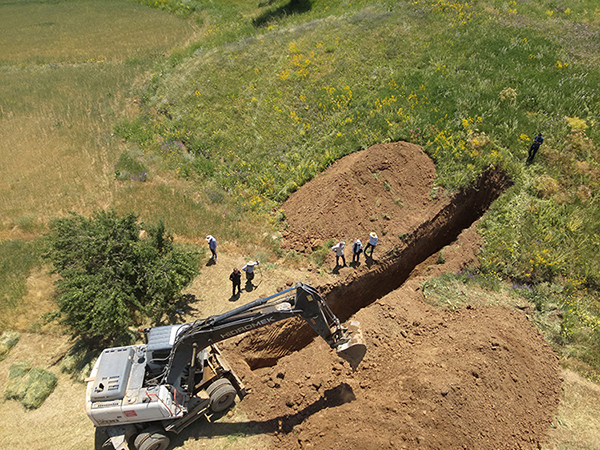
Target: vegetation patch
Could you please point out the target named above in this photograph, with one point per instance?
(8, 340)
(18, 258)
(29, 385)
(115, 273)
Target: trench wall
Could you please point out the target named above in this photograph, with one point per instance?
(266, 346)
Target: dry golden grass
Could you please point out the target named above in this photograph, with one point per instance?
(577, 426)
(79, 31)
(66, 70)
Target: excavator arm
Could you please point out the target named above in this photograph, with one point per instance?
(301, 300)
(140, 392)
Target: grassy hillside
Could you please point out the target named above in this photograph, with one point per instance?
(209, 114)
(251, 115)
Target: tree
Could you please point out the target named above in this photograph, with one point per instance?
(116, 273)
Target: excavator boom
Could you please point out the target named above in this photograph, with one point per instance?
(179, 375)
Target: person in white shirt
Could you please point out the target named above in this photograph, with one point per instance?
(338, 249)
(249, 269)
(357, 249)
(212, 245)
(372, 243)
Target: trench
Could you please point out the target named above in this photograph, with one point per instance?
(265, 347)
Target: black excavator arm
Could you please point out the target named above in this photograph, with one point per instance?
(301, 300)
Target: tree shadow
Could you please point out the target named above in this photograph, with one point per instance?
(331, 398)
(181, 309)
(293, 7)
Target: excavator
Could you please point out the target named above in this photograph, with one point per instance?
(141, 393)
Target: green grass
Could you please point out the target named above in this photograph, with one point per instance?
(84, 31)
(470, 82)
(237, 104)
(17, 259)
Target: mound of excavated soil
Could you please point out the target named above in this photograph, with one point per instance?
(478, 378)
(385, 189)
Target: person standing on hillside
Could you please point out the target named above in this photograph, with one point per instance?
(373, 239)
(338, 249)
(357, 249)
(212, 245)
(249, 269)
(539, 140)
(236, 281)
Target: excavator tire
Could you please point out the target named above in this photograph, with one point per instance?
(222, 394)
(153, 438)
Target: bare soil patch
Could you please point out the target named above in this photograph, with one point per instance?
(482, 377)
(386, 189)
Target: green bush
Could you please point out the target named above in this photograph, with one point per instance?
(115, 273)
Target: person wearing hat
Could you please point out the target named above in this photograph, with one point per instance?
(249, 269)
(357, 249)
(338, 249)
(372, 243)
(236, 280)
(212, 245)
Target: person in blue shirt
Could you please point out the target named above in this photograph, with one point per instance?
(212, 245)
(539, 140)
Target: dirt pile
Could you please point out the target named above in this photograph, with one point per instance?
(385, 189)
(479, 378)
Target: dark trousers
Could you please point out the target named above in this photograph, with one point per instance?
(532, 151)
(337, 259)
(237, 284)
(356, 256)
(371, 246)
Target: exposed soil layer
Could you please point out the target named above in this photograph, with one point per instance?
(427, 227)
(480, 378)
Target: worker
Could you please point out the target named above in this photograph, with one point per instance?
(357, 249)
(212, 245)
(372, 243)
(539, 140)
(236, 280)
(338, 249)
(249, 269)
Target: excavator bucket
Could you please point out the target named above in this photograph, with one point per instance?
(354, 350)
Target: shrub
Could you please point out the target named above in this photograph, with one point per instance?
(114, 276)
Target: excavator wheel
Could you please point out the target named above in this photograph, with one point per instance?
(153, 438)
(222, 394)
